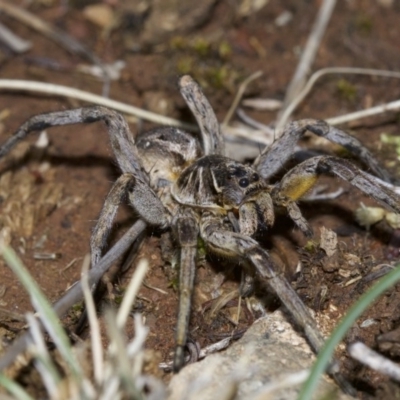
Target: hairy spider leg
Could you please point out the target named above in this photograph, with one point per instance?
(141, 196)
(273, 157)
(186, 231)
(213, 142)
(228, 243)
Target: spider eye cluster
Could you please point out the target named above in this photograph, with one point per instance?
(245, 177)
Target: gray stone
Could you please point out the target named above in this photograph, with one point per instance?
(269, 353)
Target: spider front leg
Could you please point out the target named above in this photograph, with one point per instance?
(210, 131)
(185, 227)
(231, 244)
(299, 180)
(121, 138)
(133, 182)
(142, 199)
(236, 245)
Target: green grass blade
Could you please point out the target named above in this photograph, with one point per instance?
(48, 317)
(14, 388)
(345, 324)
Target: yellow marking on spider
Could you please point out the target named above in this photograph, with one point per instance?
(298, 186)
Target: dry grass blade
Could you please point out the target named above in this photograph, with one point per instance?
(374, 360)
(116, 374)
(131, 292)
(97, 348)
(12, 387)
(136, 345)
(43, 361)
(369, 112)
(120, 356)
(65, 91)
(245, 133)
(239, 96)
(47, 315)
(310, 51)
(15, 43)
(284, 118)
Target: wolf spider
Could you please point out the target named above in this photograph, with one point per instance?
(173, 180)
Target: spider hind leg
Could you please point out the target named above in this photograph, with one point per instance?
(273, 157)
(224, 242)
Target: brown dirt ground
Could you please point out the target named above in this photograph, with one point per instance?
(80, 167)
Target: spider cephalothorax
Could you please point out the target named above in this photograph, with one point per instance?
(174, 181)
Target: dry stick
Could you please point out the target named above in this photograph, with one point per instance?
(269, 131)
(337, 70)
(12, 41)
(244, 133)
(341, 119)
(368, 112)
(239, 96)
(65, 91)
(309, 53)
(374, 360)
(75, 293)
(57, 36)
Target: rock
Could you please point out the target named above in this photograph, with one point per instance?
(268, 352)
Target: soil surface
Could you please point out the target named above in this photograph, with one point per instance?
(50, 198)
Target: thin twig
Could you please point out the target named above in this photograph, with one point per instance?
(310, 51)
(262, 104)
(69, 265)
(374, 360)
(57, 36)
(65, 91)
(239, 96)
(12, 41)
(146, 285)
(255, 124)
(326, 71)
(244, 132)
(368, 112)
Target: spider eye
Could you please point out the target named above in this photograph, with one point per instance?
(256, 177)
(244, 182)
